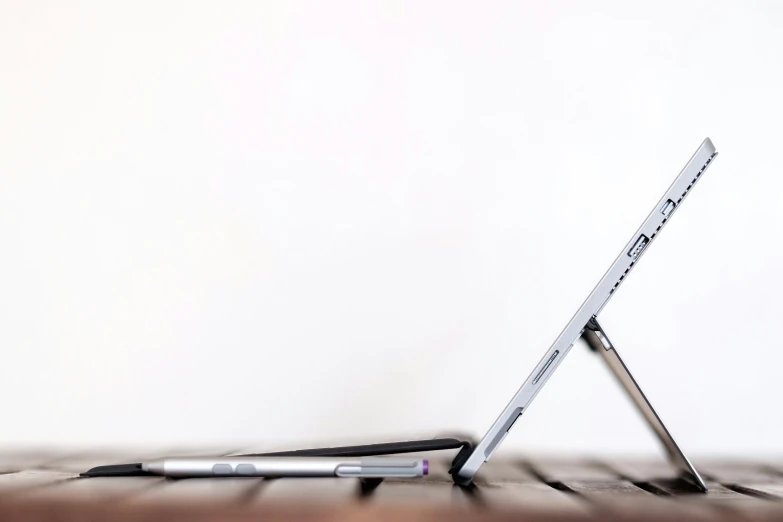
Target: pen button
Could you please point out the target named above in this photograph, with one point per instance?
(246, 469)
(222, 469)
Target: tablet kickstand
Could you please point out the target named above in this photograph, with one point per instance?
(599, 342)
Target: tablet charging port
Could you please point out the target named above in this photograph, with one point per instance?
(638, 246)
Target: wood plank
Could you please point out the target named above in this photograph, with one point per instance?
(80, 462)
(94, 489)
(641, 470)
(720, 500)
(601, 490)
(21, 510)
(432, 494)
(320, 491)
(21, 459)
(562, 470)
(681, 489)
(617, 496)
(738, 472)
(505, 484)
(215, 491)
(774, 490)
(581, 489)
(504, 472)
(609, 492)
(623, 500)
(775, 465)
(654, 508)
(662, 477)
(14, 483)
(535, 499)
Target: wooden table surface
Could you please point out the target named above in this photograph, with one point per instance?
(44, 485)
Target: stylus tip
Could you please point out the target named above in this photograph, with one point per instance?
(425, 467)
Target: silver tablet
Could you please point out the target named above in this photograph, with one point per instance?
(629, 256)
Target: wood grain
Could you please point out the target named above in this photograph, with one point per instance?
(561, 470)
(46, 487)
(318, 491)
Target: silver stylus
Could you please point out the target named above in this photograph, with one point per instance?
(373, 467)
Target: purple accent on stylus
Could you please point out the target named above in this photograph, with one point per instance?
(426, 467)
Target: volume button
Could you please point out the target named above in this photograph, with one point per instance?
(546, 367)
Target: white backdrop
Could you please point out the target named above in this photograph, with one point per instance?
(275, 222)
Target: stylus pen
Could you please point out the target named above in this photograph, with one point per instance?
(374, 467)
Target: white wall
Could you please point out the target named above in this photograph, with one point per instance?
(306, 221)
